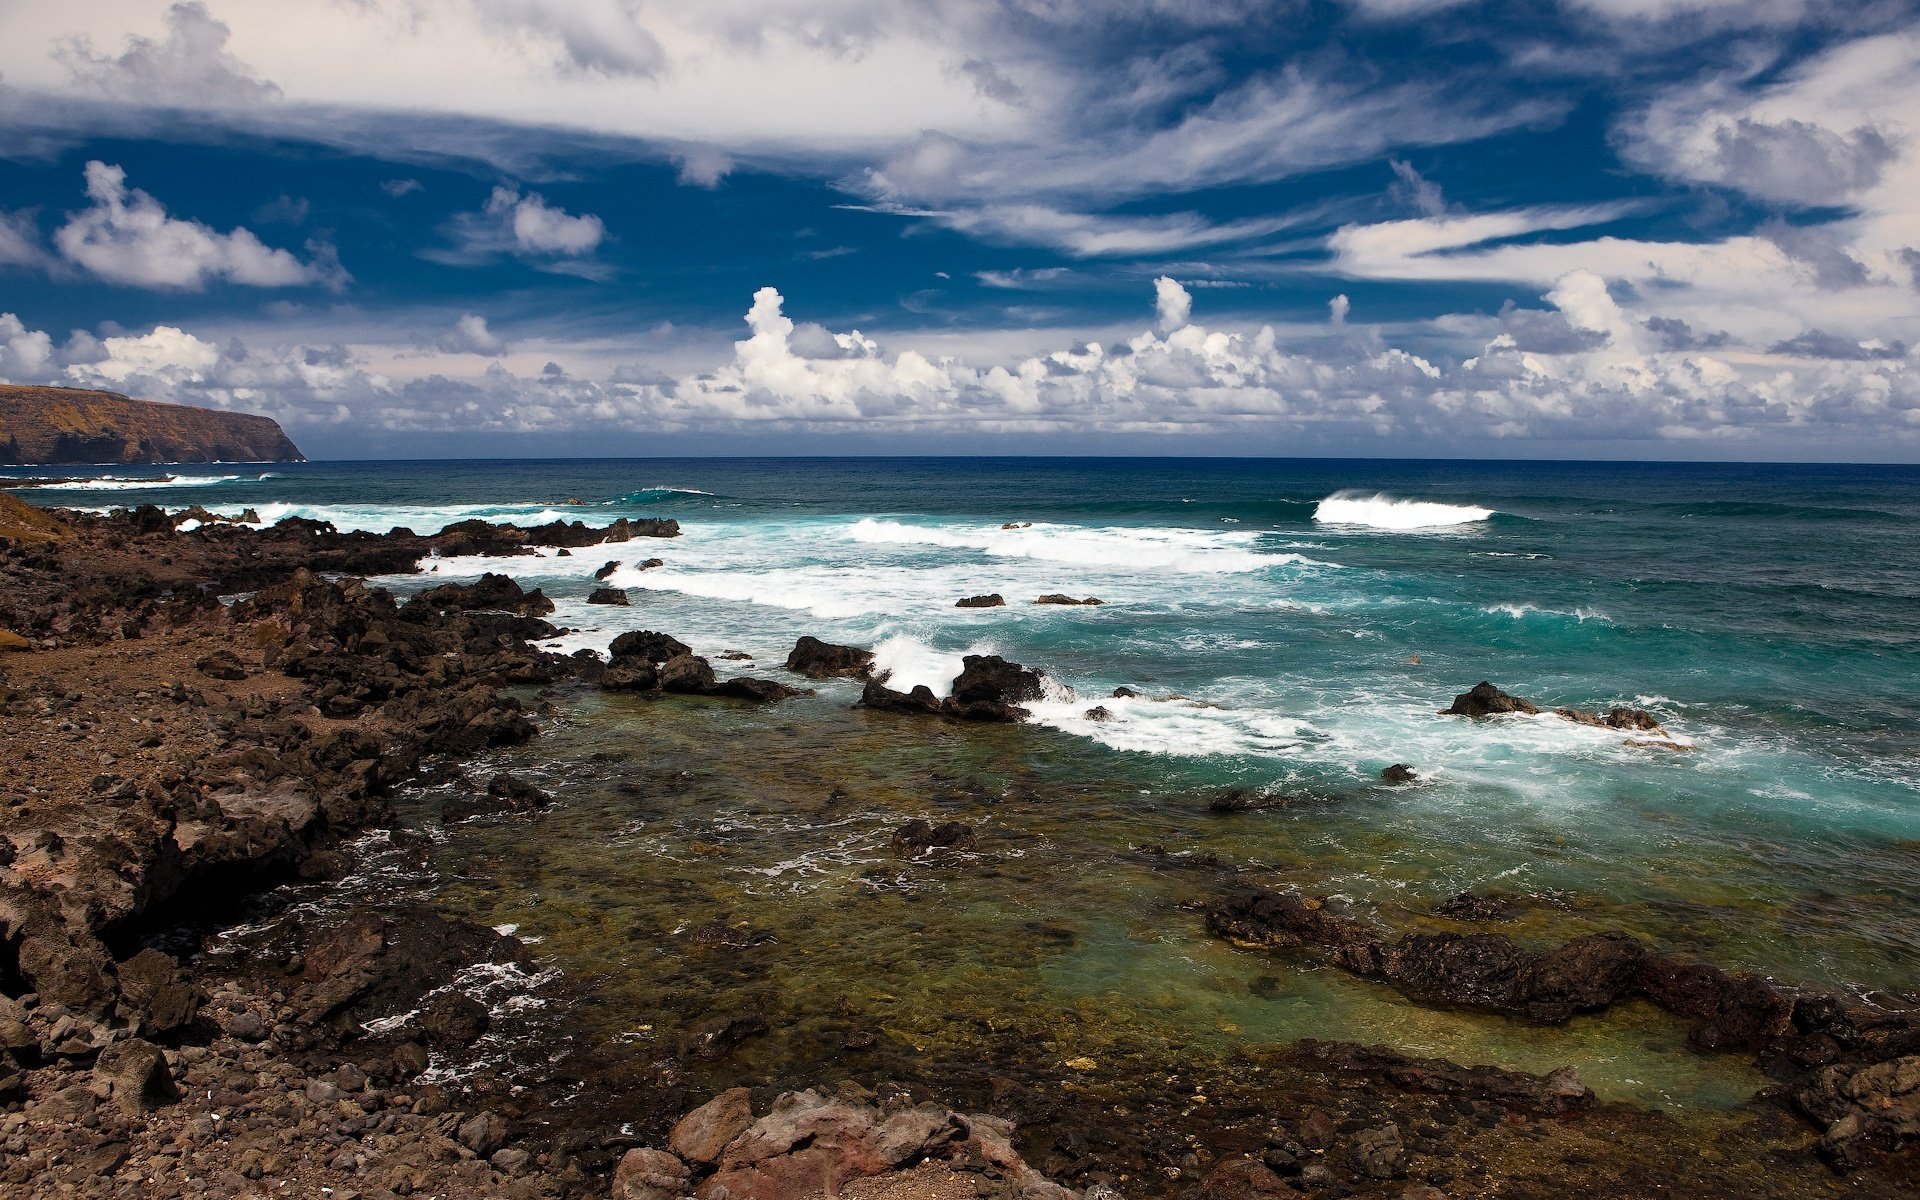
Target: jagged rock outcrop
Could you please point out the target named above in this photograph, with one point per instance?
(823, 660)
(49, 425)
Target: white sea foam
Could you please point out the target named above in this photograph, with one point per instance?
(123, 483)
(1174, 726)
(425, 518)
(1185, 550)
(907, 662)
(1384, 512)
(1519, 611)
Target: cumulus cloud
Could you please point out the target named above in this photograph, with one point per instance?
(25, 354)
(1172, 303)
(191, 68)
(1583, 367)
(470, 335)
(127, 237)
(703, 166)
(525, 226)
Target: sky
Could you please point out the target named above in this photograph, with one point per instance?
(1653, 229)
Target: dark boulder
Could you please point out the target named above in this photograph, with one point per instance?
(1399, 774)
(607, 569)
(1486, 700)
(688, 674)
(823, 660)
(648, 646)
(454, 1020)
(990, 600)
(154, 998)
(761, 691)
(134, 1076)
(1059, 598)
(491, 592)
(630, 675)
(878, 695)
(992, 679)
(1863, 1109)
(608, 595)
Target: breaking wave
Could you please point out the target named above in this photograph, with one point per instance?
(1384, 512)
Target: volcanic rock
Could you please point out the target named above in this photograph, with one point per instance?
(823, 660)
(1486, 700)
(919, 836)
(990, 600)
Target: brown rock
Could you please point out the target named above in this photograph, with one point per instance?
(134, 1075)
(483, 1133)
(645, 1174)
(702, 1134)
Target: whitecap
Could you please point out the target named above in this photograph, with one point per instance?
(1185, 550)
(1380, 511)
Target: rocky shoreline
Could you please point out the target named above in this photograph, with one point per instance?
(198, 718)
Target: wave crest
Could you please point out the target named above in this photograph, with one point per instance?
(1184, 550)
(1380, 511)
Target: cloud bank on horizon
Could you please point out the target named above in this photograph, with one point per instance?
(1660, 228)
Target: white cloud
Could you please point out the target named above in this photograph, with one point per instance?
(526, 226)
(470, 335)
(1338, 308)
(191, 68)
(540, 228)
(25, 354)
(1172, 304)
(20, 241)
(704, 166)
(127, 237)
(1085, 235)
(1587, 367)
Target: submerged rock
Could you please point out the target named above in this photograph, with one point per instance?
(1634, 719)
(919, 836)
(1491, 971)
(1558, 1091)
(823, 660)
(1059, 598)
(505, 794)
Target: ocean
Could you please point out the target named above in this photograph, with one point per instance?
(1291, 627)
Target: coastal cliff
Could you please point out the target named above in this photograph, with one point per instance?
(51, 425)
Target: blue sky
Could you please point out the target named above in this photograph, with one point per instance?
(1597, 228)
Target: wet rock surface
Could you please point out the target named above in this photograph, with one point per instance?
(988, 688)
(1827, 1039)
(823, 660)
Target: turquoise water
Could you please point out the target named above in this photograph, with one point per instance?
(1768, 616)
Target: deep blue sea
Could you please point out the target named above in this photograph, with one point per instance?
(1293, 627)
